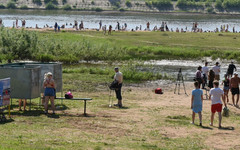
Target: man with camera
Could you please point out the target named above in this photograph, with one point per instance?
(119, 79)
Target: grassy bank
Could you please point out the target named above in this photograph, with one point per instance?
(74, 46)
(147, 121)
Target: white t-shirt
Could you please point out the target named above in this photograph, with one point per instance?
(205, 70)
(216, 94)
(216, 70)
(119, 77)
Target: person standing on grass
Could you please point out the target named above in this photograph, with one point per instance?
(216, 94)
(216, 70)
(119, 78)
(231, 68)
(234, 86)
(24, 104)
(205, 74)
(110, 30)
(49, 92)
(196, 103)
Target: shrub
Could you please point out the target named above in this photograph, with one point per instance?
(231, 5)
(148, 4)
(24, 7)
(128, 3)
(67, 7)
(162, 4)
(2, 6)
(184, 4)
(115, 3)
(64, 2)
(92, 2)
(210, 10)
(98, 9)
(218, 5)
(52, 1)
(51, 6)
(121, 9)
(38, 2)
(11, 5)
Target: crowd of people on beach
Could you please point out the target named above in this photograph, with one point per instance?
(209, 79)
(163, 27)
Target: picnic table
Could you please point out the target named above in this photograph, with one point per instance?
(78, 99)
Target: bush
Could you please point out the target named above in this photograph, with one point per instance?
(128, 3)
(2, 6)
(184, 4)
(210, 10)
(98, 9)
(24, 7)
(38, 2)
(52, 1)
(115, 3)
(148, 4)
(51, 6)
(11, 5)
(231, 5)
(92, 2)
(121, 9)
(218, 5)
(162, 4)
(67, 7)
(64, 2)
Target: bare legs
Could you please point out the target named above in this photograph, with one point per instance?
(233, 100)
(219, 118)
(24, 104)
(52, 103)
(200, 117)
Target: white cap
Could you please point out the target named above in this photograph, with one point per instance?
(49, 74)
(235, 73)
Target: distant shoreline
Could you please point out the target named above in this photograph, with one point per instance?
(116, 12)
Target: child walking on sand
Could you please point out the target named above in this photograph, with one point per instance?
(196, 102)
(216, 94)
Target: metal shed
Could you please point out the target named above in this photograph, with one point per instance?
(27, 77)
(24, 80)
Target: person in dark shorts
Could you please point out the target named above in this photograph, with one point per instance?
(119, 78)
(231, 68)
(198, 76)
(234, 86)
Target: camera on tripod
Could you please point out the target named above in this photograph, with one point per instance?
(179, 79)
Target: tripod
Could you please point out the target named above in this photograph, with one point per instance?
(179, 79)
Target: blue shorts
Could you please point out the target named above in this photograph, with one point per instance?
(226, 87)
(49, 92)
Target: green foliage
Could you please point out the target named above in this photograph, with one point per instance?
(128, 3)
(19, 44)
(115, 3)
(2, 6)
(231, 5)
(64, 2)
(148, 4)
(122, 9)
(218, 5)
(67, 7)
(92, 2)
(52, 1)
(208, 3)
(38, 2)
(185, 4)
(24, 7)
(162, 4)
(210, 10)
(50, 6)
(98, 9)
(11, 5)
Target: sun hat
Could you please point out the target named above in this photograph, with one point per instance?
(235, 73)
(49, 74)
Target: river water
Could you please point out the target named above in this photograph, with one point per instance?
(91, 19)
(188, 67)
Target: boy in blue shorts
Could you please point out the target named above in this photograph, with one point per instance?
(196, 102)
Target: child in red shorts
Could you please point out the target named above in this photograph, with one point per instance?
(216, 94)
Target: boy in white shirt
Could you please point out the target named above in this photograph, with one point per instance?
(215, 95)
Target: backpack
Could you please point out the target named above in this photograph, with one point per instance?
(68, 95)
(113, 85)
(158, 91)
